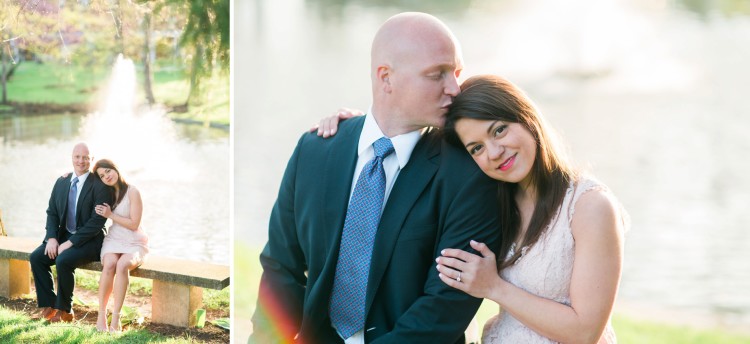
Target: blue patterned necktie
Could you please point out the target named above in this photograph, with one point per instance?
(347, 307)
(70, 221)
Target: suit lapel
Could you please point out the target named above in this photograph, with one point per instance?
(409, 185)
(340, 161)
(61, 199)
(340, 164)
(85, 190)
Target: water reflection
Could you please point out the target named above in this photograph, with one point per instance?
(182, 171)
(649, 95)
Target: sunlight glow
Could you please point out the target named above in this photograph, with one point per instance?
(137, 139)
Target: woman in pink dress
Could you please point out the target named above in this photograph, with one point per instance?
(125, 245)
(557, 271)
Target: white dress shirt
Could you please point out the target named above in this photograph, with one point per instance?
(403, 145)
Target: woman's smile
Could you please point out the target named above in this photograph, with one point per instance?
(507, 164)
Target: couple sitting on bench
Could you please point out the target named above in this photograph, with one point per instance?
(79, 207)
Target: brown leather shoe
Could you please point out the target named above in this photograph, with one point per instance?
(62, 316)
(48, 313)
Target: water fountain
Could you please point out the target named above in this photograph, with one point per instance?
(182, 171)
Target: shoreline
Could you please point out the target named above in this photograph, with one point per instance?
(38, 109)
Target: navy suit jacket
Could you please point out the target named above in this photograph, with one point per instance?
(89, 225)
(440, 200)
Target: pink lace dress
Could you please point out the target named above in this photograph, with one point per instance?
(122, 240)
(545, 270)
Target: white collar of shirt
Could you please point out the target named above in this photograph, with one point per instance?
(81, 178)
(403, 144)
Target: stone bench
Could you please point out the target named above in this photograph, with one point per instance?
(177, 283)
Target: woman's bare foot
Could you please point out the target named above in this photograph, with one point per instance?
(115, 326)
(101, 322)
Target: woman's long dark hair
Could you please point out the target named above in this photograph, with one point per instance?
(121, 187)
(488, 97)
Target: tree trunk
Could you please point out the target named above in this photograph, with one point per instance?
(3, 80)
(197, 63)
(117, 16)
(147, 75)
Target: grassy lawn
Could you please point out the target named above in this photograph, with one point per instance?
(634, 331)
(17, 327)
(629, 330)
(247, 273)
(52, 83)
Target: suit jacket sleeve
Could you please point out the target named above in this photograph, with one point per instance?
(93, 226)
(54, 214)
(278, 315)
(443, 313)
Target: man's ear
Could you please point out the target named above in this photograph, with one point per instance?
(383, 75)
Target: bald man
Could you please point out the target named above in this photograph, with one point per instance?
(74, 235)
(361, 217)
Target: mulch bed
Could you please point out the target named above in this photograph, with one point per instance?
(87, 315)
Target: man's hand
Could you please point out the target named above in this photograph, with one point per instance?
(66, 245)
(51, 249)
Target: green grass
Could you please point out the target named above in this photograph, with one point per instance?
(216, 299)
(17, 327)
(247, 273)
(212, 105)
(54, 83)
(635, 331)
(60, 84)
(247, 277)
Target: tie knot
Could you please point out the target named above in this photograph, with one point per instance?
(74, 181)
(383, 147)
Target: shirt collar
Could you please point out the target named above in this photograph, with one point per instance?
(81, 178)
(403, 144)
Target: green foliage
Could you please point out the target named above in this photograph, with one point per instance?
(79, 302)
(211, 106)
(206, 37)
(216, 299)
(208, 27)
(128, 315)
(200, 318)
(222, 322)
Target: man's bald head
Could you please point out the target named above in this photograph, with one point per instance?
(415, 63)
(81, 159)
(405, 35)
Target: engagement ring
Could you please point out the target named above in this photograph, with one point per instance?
(458, 279)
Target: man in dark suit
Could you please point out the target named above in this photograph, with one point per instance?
(345, 265)
(74, 236)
